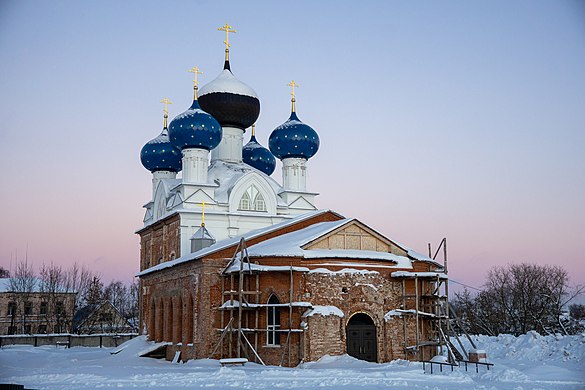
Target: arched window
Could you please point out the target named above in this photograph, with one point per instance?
(273, 322)
(259, 203)
(252, 200)
(245, 201)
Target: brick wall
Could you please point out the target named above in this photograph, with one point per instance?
(181, 304)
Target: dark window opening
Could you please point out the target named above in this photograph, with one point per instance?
(60, 308)
(273, 328)
(11, 309)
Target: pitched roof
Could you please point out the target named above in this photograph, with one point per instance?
(291, 245)
(229, 242)
(37, 286)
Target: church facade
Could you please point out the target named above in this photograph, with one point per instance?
(234, 264)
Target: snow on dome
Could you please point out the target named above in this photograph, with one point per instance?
(160, 155)
(258, 157)
(226, 82)
(231, 102)
(195, 128)
(294, 139)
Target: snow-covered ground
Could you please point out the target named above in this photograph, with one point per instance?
(527, 362)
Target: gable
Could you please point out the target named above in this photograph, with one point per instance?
(302, 204)
(356, 236)
(198, 197)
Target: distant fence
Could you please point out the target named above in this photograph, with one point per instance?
(69, 340)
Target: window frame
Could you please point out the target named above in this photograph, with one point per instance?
(44, 308)
(273, 322)
(28, 308)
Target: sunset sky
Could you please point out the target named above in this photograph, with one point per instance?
(453, 119)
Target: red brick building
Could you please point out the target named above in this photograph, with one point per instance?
(317, 284)
(285, 282)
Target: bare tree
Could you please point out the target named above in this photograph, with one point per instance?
(124, 298)
(4, 273)
(22, 285)
(117, 294)
(53, 284)
(95, 291)
(133, 314)
(518, 298)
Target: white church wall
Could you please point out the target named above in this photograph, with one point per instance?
(230, 147)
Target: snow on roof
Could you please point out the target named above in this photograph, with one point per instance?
(343, 271)
(399, 312)
(235, 267)
(233, 303)
(290, 245)
(419, 256)
(223, 244)
(324, 311)
(228, 83)
(37, 286)
(405, 274)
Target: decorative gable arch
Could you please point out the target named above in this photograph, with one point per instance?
(253, 191)
(160, 201)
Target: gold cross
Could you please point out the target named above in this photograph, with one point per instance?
(195, 70)
(228, 29)
(293, 85)
(202, 213)
(166, 102)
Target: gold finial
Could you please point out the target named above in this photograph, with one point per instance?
(202, 214)
(253, 130)
(293, 100)
(166, 102)
(228, 29)
(195, 70)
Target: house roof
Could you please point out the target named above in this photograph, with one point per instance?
(6, 285)
(292, 245)
(86, 312)
(224, 244)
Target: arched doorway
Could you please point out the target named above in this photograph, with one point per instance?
(361, 338)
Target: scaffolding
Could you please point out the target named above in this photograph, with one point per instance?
(240, 312)
(428, 299)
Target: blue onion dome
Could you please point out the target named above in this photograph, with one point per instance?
(160, 155)
(294, 139)
(258, 156)
(231, 102)
(195, 128)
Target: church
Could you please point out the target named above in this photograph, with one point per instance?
(234, 264)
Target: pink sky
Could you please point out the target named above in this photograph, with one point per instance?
(457, 120)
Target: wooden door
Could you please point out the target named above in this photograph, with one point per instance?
(361, 338)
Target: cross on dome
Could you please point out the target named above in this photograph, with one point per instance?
(166, 102)
(228, 29)
(196, 71)
(292, 84)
